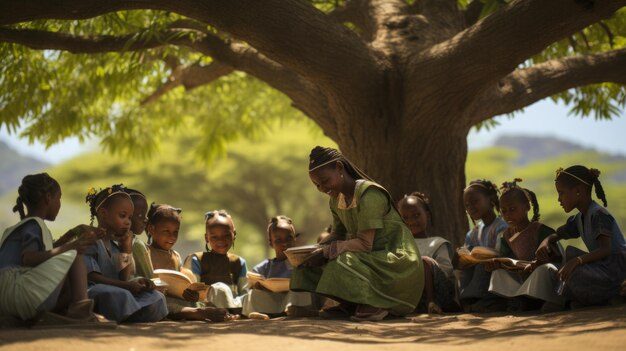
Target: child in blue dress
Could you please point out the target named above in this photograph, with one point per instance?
(109, 263)
(37, 275)
(591, 278)
(482, 204)
(281, 235)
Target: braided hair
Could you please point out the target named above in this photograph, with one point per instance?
(488, 188)
(33, 190)
(576, 175)
(523, 194)
(418, 197)
(326, 157)
(273, 225)
(104, 198)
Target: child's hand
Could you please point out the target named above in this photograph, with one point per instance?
(134, 287)
(86, 239)
(492, 265)
(126, 242)
(543, 252)
(567, 270)
(148, 285)
(531, 267)
(191, 295)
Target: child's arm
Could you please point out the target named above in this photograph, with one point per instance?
(603, 251)
(125, 257)
(85, 240)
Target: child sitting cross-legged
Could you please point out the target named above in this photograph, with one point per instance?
(281, 234)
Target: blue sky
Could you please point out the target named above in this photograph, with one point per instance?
(544, 118)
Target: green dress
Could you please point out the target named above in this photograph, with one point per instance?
(391, 276)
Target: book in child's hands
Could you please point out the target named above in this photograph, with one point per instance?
(299, 254)
(513, 265)
(271, 284)
(479, 254)
(177, 282)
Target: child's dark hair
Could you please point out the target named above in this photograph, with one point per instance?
(274, 224)
(523, 194)
(162, 212)
(419, 197)
(33, 190)
(104, 198)
(488, 188)
(578, 174)
(136, 194)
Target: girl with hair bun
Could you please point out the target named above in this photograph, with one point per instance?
(109, 262)
(591, 278)
(38, 275)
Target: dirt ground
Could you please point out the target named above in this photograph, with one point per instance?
(585, 329)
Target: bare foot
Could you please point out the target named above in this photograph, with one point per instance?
(433, 308)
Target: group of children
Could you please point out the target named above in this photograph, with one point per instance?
(380, 257)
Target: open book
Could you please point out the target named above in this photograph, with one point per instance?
(480, 254)
(299, 254)
(177, 282)
(513, 265)
(271, 284)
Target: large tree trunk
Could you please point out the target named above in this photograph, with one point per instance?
(430, 159)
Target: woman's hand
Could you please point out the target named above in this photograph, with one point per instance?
(315, 258)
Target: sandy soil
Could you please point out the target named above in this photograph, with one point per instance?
(586, 329)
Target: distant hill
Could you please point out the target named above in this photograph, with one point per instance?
(533, 148)
(14, 166)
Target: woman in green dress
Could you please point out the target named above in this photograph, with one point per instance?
(370, 263)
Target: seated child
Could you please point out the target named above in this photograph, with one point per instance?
(37, 275)
(281, 235)
(591, 278)
(481, 203)
(109, 263)
(141, 258)
(163, 226)
(439, 287)
(224, 271)
(520, 241)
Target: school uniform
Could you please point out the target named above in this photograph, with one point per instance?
(27, 291)
(116, 303)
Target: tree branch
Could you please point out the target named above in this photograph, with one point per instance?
(292, 33)
(44, 40)
(190, 77)
(527, 86)
(495, 45)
